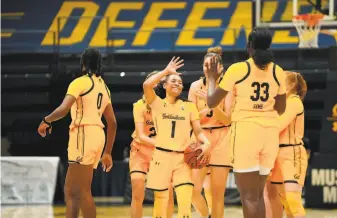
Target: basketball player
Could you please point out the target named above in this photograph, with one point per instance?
(260, 97)
(142, 147)
(215, 124)
(88, 97)
(173, 118)
(288, 175)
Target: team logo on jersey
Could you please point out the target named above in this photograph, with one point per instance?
(172, 117)
(149, 123)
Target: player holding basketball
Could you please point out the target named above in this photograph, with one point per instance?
(215, 123)
(142, 147)
(288, 174)
(260, 97)
(173, 118)
(88, 98)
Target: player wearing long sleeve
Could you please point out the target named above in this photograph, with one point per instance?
(259, 87)
(288, 174)
(88, 98)
(215, 124)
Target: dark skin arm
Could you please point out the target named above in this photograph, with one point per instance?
(60, 112)
(280, 103)
(110, 118)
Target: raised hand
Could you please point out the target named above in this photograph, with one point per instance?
(174, 65)
(213, 68)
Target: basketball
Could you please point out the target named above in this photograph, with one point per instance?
(191, 154)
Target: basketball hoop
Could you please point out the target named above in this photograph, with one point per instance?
(308, 26)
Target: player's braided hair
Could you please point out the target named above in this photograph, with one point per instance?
(91, 59)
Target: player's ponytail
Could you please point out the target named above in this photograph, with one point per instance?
(259, 41)
(300, 85)
(91, 60)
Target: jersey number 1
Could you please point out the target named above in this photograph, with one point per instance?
(257, 90)
(173, 129)
(99, 100)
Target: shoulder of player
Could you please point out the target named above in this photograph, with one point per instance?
(295, 102)
(196, 83)
(140, 103)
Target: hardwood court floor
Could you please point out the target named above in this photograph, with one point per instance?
(122, 212)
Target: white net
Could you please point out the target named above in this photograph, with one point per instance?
(307, 31)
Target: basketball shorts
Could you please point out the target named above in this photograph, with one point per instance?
(253, 147)
(140, 158)
(220, 147)
(290, 165)
(86, 144)
(167, 168)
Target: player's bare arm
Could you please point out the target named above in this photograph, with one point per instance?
(60, 112)
(148, 85)
(206, 145)
(280, 103)
(110, 118)
(140, 131)
(214, 95)
(192, 96)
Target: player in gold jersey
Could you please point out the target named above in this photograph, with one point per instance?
(215, 124)
(173, 118)
(259, 87)
(287, 177)
(88, 98)
(142, 147)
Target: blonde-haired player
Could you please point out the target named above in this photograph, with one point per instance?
(288, 174)
(173, 118)
(259, 87)
(215, 124)
(141, 151)
(88, 98)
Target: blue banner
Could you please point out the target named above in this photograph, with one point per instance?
(37, 25)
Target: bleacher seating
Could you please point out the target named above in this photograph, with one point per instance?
(34, 84)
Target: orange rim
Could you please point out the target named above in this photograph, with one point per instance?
(310, 19)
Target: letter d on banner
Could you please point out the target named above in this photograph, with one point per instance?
(81, 28)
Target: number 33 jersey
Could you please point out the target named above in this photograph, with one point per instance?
(255, 91)
(173, 123)
(92, 96)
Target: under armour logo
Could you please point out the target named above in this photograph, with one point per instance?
(164, 104)
(157, 163)
(182, 108)
(79, 159)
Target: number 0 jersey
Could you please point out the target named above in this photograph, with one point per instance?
(92, 97)
(254, 90)
(142, 114)
(173, 123)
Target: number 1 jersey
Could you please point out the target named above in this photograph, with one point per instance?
(173, 123)
(254, 91)
(92, 97)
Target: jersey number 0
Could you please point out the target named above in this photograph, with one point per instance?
(99, 100)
